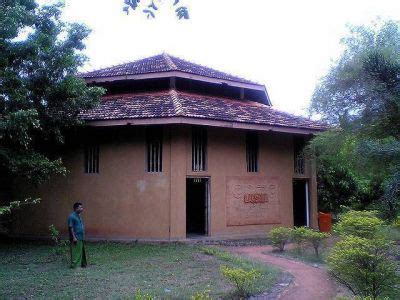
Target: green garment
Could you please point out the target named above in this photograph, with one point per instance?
(78, 254)
(75, 221)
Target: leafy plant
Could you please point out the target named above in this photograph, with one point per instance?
(359, 223)
(139, 295)
(364, 265)
(7, 209)
(316, 239)
(299, 236)
(396, 223)
(279, 236)
(152, 6)
(243, 280)
(59, 245)
(203, 295)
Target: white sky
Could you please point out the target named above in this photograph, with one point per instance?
(286, 45)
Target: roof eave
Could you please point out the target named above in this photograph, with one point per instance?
(203, 122)
(180, 74)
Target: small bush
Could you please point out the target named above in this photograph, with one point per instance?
(139, 295)
(243, 280)
(364, 265)
(204, 295)
(299, 236)
(315, 238)
(279, 236)
(396, 223)
(363, 224)
(59, 244)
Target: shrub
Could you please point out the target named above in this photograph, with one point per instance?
(279, 236)
(299, 236)
(396, 223)
(139, 295)
(315, 238)
(59, 244)
(363, 265)
(363, 224)
(204, 295)
(243, 280)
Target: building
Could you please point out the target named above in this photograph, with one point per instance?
(177, 150)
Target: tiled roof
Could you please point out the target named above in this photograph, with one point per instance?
(162, 63)
(181, 104)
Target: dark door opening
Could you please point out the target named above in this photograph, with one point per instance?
(196, 206)
(301, 203)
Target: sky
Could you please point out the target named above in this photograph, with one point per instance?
(285, 45)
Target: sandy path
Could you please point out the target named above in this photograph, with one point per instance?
(310, 283)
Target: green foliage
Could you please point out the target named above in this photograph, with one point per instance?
(7, 209)
(203, 295)
(40, 94)
(302, 235)
(396, 223)
(279, 236)
(60, 246)
(364, 224)
(299, 236)
(151, 7)
(139, 295)
(364, 265)
(243, 280)
(361, 95)
(316, 239)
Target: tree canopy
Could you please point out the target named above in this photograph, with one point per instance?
(40, 93)
(150, 8)
(360, 96)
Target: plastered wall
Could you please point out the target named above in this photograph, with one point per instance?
(124, 202)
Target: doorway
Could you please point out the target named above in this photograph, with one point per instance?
(197, 206)
(301, 203)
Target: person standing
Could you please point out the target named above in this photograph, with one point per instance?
(76, 231)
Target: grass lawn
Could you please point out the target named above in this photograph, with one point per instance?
(118, 270)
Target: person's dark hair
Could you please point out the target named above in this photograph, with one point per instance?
(76, 205)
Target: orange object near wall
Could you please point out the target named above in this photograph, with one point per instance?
(325, 222)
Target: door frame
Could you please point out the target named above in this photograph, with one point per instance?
(207, 202)
(307, 199)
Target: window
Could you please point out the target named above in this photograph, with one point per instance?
(154, 139)
(91, 159)
(252, 152)
(298, 146)
(199, 149)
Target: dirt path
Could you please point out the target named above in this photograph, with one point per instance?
(310, 283)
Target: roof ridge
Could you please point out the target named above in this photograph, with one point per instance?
(176, 102)
(169, 61)
(225, 72)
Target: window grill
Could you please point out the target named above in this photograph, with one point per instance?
(92, 159)
(252, 152)
(199, 149)
(299, 158)
(154, 139)
(299, 163)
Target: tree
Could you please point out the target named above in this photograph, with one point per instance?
(361, 96)
(40, 94)
(151, 8)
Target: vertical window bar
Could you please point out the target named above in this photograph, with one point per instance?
(252, 152)
(154, 149)
(199, 149)
(91, 159)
